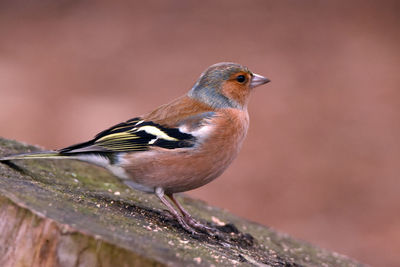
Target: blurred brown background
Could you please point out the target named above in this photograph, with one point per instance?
(321, 160)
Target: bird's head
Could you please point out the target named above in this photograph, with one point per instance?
(226, 85)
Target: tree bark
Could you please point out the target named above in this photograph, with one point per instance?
(68, 213)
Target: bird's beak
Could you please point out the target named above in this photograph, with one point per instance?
(257, 80)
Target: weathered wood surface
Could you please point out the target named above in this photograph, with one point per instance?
(68, 213)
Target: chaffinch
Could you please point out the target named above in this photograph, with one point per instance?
(179, 146)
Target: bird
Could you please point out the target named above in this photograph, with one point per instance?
(177, 147)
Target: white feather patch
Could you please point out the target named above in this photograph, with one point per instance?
(200, 132)
(105, 163)
(152, 141)
(156, 132)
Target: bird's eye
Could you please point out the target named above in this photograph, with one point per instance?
(241, 78)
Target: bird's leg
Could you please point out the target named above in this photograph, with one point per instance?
(160, 194)
(188, 218)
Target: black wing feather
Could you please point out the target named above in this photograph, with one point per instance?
(127, 137)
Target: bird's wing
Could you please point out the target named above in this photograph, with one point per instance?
(140, 135)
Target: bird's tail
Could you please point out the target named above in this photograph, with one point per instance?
(35, 155)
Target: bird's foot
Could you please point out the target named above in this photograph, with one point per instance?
(189, 228)
(199, 226)
(182, 222)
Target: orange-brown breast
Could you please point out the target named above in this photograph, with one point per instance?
(183, 169)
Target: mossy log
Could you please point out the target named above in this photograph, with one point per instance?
(69, 213)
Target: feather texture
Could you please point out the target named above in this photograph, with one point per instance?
(133, 135)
